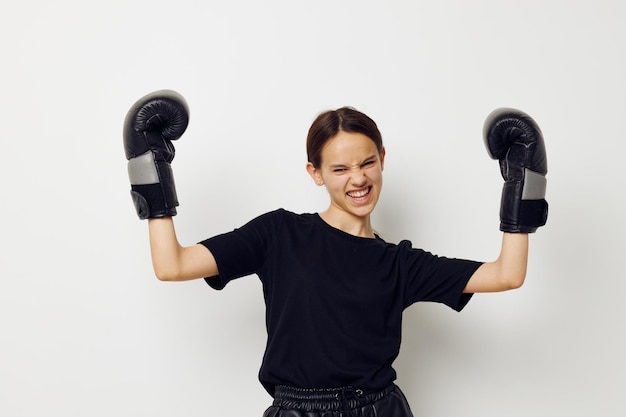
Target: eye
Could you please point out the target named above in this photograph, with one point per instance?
(369, 163)
(339, 170)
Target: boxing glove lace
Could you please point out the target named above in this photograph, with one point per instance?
(513, 137)
(150, 126)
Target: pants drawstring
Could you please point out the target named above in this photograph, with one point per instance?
(344, 402)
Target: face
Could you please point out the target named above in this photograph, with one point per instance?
(351, 170)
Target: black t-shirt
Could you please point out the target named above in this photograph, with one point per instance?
(334, 301)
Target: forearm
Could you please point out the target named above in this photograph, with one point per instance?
(173, 262)
(508, 271)
(164, 248)
(513, 259)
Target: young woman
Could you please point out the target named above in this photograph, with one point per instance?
(334, 290)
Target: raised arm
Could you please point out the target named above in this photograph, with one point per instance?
(514, 138)
(505, 273)
(150, 126)
(173, 262)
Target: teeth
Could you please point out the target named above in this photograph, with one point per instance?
(357, 194)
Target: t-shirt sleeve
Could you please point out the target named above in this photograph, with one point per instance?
(437, 279)
(242, 251)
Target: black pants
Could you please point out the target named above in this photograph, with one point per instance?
(340, 402)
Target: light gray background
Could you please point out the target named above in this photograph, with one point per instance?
(86, 329)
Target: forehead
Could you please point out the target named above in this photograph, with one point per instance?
(348, 148)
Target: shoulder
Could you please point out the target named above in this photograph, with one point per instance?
(280, 219)
(282, 214)
(404, 247)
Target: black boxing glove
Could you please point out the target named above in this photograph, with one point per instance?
(514, 138)
(150, 126)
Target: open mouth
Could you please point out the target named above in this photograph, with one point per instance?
(359, 194)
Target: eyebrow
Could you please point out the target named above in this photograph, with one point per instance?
(360, 163)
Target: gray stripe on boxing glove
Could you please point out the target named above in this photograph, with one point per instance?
(142, 169)
(534, 185)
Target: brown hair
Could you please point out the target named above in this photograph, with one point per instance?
(329, 123)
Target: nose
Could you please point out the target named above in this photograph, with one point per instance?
(358, 177)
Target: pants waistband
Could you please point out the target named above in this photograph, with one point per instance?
(326, 399)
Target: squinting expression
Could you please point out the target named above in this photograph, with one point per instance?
(351, 169)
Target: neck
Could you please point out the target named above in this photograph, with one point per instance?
(354, 225)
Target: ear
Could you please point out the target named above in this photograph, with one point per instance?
(314, 173)
(383, 152)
